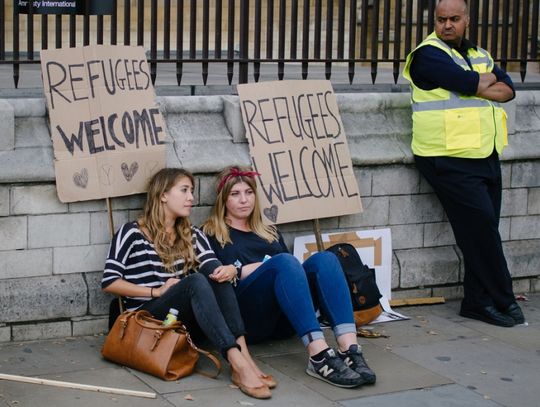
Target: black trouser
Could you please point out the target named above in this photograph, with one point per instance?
(470, 193)
(210, 304)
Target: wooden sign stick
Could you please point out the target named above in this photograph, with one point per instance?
(110, 213)
(111, 233)
(318, 237)
(77, 386)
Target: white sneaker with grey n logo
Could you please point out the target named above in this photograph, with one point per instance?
(325, 371)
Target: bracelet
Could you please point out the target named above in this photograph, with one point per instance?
(238, 266)
(152, 292)
(237, 269)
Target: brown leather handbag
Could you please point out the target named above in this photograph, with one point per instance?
(139, 341)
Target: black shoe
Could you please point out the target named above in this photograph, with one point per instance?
(355, 360)
(489, 315)
(333, 370)
(514, 311)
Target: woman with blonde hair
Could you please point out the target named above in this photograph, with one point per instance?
(161, 262)
(276, 292)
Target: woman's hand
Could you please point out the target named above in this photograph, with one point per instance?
(158, 292)
(224, 274)
(124, 288)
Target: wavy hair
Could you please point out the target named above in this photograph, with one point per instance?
(216, 224)
(152, 221)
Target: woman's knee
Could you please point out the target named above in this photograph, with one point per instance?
(197, 283)
(285, 258)
(286, 262)
(325, 257)
(323, 262)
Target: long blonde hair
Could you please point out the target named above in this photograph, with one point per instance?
(216, 224)
(152, 221)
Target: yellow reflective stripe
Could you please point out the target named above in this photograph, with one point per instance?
(454, 102)
(483, 57)
(481, 60)
(455, 58)
(438, 41)
(448, 104)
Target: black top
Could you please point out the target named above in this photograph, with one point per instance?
(133, 257)
(247, 248)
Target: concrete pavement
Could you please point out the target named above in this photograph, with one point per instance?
(436, 358)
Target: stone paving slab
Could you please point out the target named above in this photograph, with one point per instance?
(33, 395)
(447, 396)
(289, 392)
(193, 382)
(52, 356)
(274, 348)
(486, 365)
(393, 374)
(527, 337)
(422, 328)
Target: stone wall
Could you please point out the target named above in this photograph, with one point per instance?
(52, 254)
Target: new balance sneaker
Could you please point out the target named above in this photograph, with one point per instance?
(355, 360)
(333, 370)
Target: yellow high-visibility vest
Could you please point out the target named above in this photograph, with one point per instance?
(447, 123)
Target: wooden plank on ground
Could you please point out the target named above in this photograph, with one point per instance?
(76, 386)
(401, 302)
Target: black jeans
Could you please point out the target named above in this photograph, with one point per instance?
(470, 193)
(213, 306)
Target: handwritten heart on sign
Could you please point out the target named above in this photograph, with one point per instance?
(81, 178)
(271, 213)
(129, 171)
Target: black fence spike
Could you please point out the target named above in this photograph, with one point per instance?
(328, 33)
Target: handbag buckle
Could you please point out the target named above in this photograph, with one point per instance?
(124, 326)
(157, 337)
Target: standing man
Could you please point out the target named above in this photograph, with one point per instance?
(459, 130)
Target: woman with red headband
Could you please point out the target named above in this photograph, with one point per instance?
(275, 291)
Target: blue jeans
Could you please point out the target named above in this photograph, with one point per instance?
(283, 292)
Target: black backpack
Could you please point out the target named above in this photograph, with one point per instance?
(363, 288)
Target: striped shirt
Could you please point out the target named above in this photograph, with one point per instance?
(133, 258)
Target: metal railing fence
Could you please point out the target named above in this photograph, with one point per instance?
(243, 35)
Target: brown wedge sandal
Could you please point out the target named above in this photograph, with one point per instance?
(260, 392)
(269, 380)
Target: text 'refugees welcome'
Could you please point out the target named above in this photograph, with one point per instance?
(300, 147)
(95, 87)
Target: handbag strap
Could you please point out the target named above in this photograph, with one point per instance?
(144, 319)
(212, 358)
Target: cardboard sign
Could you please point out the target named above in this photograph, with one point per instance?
(108, 133)
(298, 145)
(375, 250)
